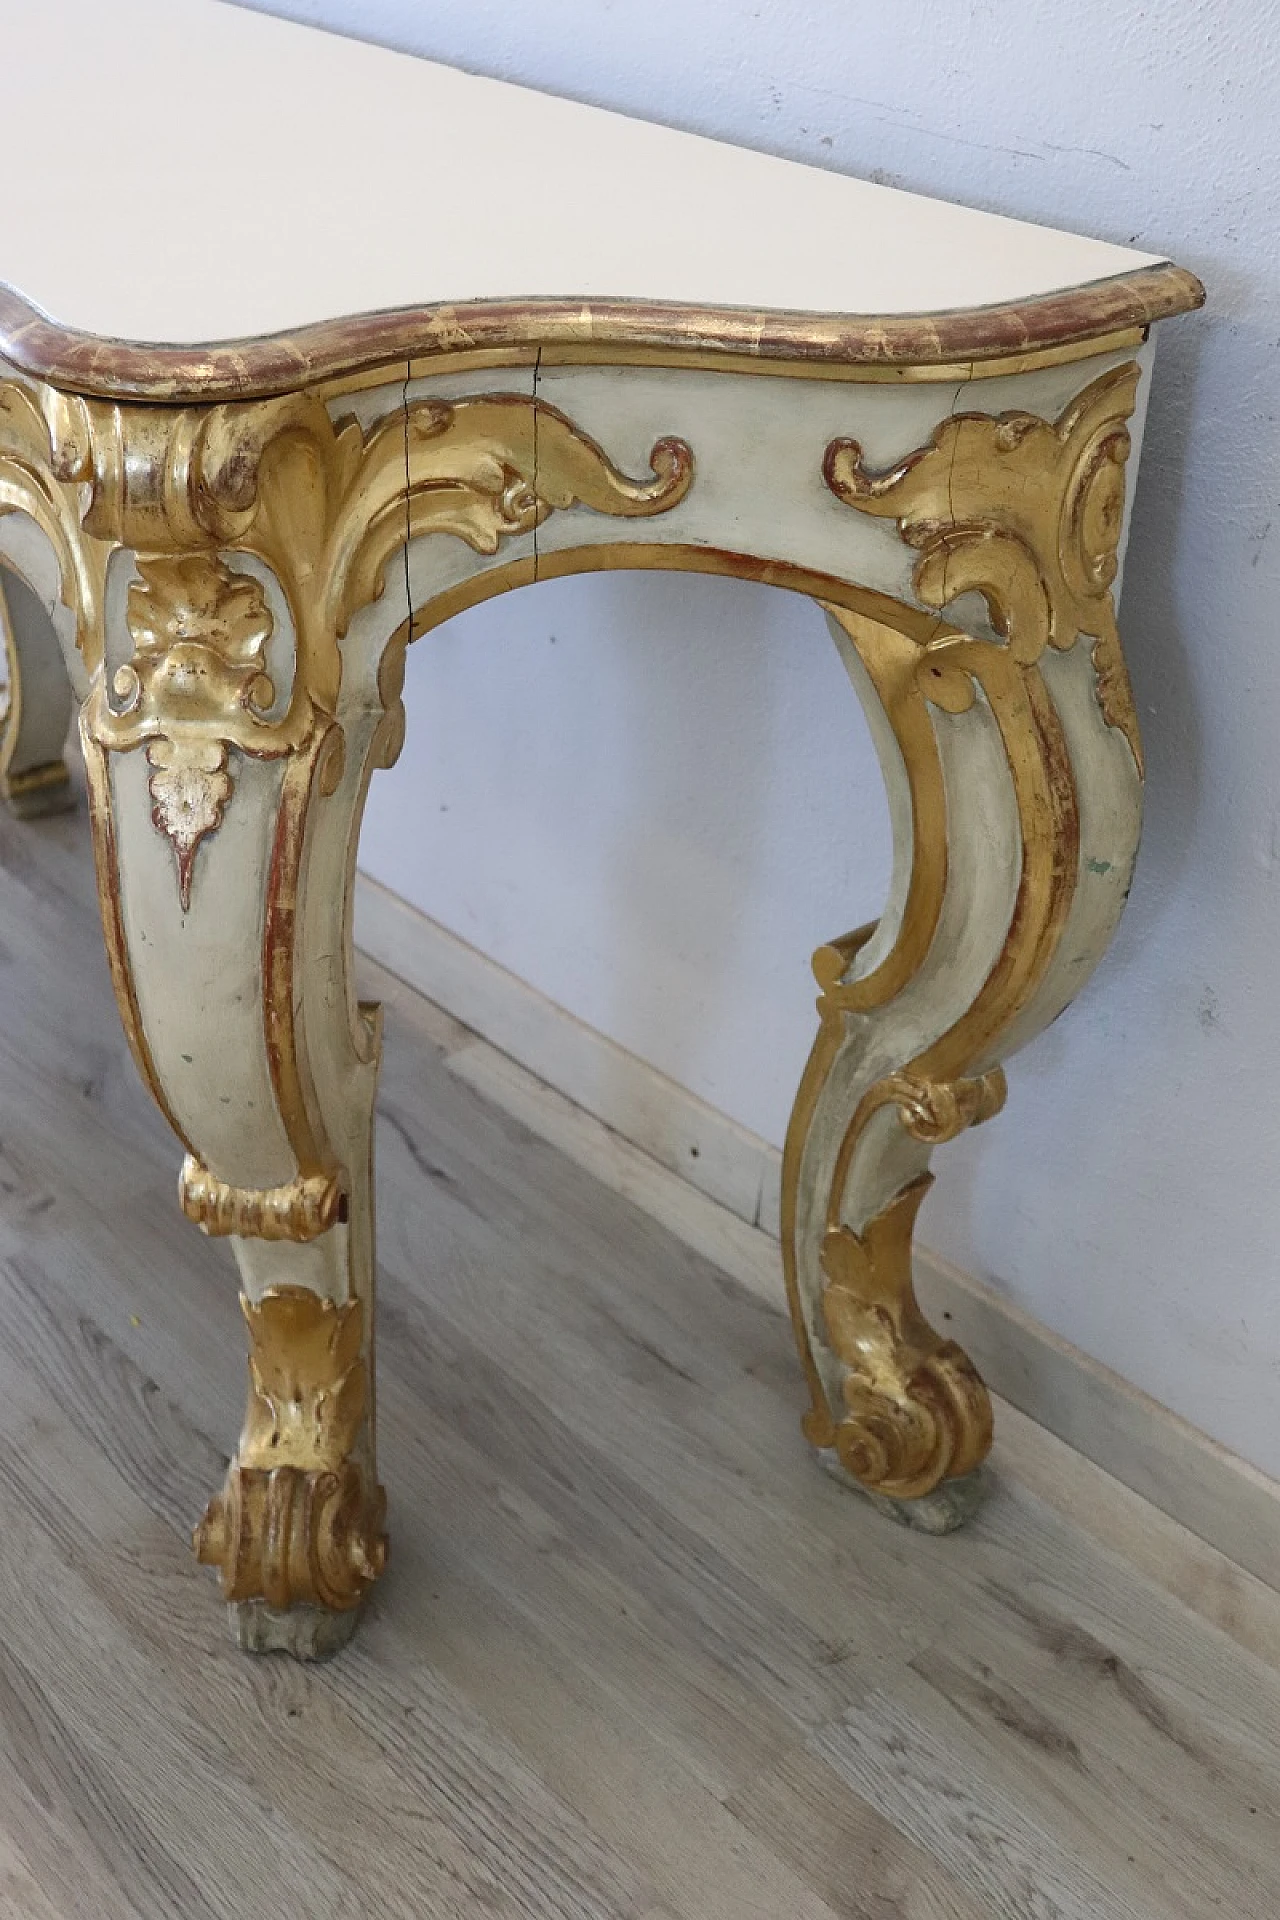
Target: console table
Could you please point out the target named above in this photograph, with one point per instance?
(466, 336)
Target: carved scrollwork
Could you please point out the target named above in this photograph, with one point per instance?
(300, 1210)
(490, 468)
(246, 524)
(916, 1411)
(299, 1520)
(325, 506)
(936, 1110)
(292, 1539)
(1025, 512)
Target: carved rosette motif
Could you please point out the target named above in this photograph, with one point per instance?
(1025, 512)
(299, 1520)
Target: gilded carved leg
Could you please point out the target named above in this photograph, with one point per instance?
(240, 604)
(224, 868)
(1012, 760)
(35, 704)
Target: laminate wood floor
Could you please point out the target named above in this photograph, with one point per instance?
(636, 1657)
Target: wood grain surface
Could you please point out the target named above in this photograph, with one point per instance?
(635, 1656)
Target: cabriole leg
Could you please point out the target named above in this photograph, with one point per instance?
(225, 881)
(243, 659)
(1013, 765)
(241, 612)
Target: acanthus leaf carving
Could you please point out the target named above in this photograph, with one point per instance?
(1026, 512)
(307, 1377)
(300, 1520)
(494, 467)
(916, 1411)
(195, 685)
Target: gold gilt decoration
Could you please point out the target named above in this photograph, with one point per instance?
(302, 1209)
(936, 1110)
(196, 686)
(1027, 513)
(489, 468)
(323, 505)
(1024, 511)
(299, 1521)
(916, 1412)
(34, 425)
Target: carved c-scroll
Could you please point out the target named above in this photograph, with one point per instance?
(210, 503)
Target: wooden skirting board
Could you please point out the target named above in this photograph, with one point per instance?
(715, 1185)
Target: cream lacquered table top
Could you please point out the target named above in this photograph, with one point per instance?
(190, 171)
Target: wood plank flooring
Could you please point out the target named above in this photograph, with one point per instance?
(636, 1657)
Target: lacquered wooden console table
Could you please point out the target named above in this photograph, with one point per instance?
(581, 342)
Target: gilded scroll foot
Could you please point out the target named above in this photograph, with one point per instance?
(993, 919)
(298, 1527)
(242, 683)
(915, 1412)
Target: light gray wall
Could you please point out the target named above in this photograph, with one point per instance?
(653, 796)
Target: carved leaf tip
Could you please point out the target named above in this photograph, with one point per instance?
(190, 787)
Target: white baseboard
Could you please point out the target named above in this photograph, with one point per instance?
(670, 1124)
(715, 1186)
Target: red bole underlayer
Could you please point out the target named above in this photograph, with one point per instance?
(334, 349)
